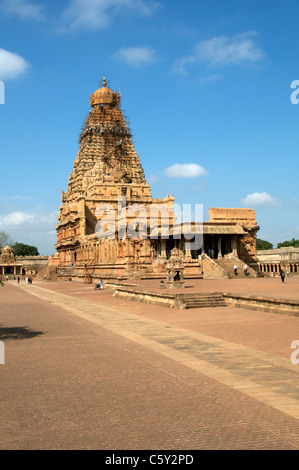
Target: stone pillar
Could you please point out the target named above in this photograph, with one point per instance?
(163, 248)
(219, 247)
(203, 245)
(234, 246)
(188, 256)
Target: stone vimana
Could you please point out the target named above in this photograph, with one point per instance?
(105, 223)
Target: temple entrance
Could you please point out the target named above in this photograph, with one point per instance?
(195, 253)
(170, 244)
(217, 246)
(226, 246)
(211, 246)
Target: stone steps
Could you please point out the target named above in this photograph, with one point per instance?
(204, 301)
(228, 267)
(204, 305)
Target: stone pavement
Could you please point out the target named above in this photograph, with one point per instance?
(84, 370)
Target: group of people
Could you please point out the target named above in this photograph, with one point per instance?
(281, 273)
(245, 268)
(99, 285)
(5, 279)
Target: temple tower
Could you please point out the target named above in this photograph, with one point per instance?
(107, 188)
(107, 170)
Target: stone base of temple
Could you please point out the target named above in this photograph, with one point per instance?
(202, 267)
(206, 268)
(122, 271)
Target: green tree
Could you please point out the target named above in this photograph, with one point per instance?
(292, 242)
(5, 240)
(263, 245)
(21, 249)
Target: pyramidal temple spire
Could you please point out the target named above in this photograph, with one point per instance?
(106, 154)
(107, 188)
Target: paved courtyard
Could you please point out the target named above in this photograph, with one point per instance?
(84, 370)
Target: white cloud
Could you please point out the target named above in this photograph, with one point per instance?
(136, 56)
(23, 9)
(15, 219)
(12, 65)
(96, 14)
(186, 170)
(27, 220)
(259, 200)
(35, 228)
(221, 51)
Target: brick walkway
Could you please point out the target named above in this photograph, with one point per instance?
(84, 370)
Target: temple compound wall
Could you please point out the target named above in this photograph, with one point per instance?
(271, 262)
(20, 265)
(109, 224)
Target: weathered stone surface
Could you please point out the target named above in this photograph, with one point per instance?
(106, 186)
(106, 171)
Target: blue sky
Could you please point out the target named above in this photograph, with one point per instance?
(206, 86)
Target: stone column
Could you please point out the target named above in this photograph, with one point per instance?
(188, 256)
(203, 245)
(163, 248)
(219, 247)
(234, 245)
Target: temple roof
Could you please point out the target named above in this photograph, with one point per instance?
(205, 228)
(103, 95)
(7, 249)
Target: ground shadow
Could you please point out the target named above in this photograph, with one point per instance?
(18, 333)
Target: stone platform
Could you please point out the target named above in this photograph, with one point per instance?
(197, 298)
(86, 370)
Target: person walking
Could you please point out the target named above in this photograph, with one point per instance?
(282, 275)
(245, 269)
(235, 269)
